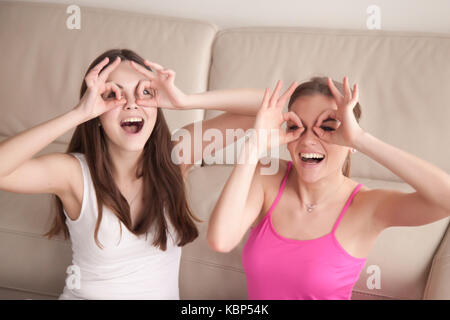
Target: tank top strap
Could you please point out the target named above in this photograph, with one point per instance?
(280, 192)
(347, 204)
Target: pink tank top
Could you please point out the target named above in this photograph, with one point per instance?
(279, 268)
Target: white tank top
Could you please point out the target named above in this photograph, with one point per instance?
(128, 266)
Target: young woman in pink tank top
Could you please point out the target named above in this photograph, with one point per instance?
(311, 225)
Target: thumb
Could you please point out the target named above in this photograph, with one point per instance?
(322, 134)
(293, 135)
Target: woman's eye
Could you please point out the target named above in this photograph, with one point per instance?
(325, 128)
(293, 127)
(110, 95)
(147, 92)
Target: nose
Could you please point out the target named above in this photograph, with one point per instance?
(130, 102)
(309, 137)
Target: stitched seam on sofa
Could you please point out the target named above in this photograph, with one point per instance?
(31, 235)
(332, 32)
(376, 295)
(212, 264)
(30, 291)
(6, 136)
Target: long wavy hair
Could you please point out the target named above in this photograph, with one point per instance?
(163, 185)
(319, 85)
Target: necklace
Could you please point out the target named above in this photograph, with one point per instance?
(134, 198)
(311, 206)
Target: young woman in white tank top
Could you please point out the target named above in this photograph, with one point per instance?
(119, 195)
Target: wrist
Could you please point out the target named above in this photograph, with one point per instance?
(189, 101)
(360, 141)
(78, 114)
(251, 150)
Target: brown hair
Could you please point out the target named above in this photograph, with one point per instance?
(163, 184)
(319, 85)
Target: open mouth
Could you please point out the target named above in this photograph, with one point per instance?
(312, 158)
(132, 125)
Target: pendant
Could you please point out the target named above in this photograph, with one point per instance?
(310, 207)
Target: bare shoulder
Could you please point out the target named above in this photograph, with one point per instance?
(365, 203)
(272, 171)
(73, 197)
(269, 176)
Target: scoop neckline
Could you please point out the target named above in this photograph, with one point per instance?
(296, 241)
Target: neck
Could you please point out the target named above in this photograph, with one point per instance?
(319, 191)
(125, 164)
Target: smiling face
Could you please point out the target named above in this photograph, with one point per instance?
(313, 158)
(129, 126)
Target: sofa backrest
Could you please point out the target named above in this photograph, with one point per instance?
(47, 61)
(403, 80)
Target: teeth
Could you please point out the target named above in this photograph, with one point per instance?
(131, 120)
(312, 155)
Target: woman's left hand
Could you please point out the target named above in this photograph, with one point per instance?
(340, 126)
(159, 89)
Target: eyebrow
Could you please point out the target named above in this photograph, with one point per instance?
(326, 120)
(118, 85)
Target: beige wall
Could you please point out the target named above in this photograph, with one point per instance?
(397, 15)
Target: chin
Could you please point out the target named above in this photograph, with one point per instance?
(310, 177)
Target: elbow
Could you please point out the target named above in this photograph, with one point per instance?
(218, 245)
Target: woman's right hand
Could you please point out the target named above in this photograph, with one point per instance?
(270, 118)
(98, 96)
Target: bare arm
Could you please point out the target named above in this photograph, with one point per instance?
(20, 173)
(430, 202)
(239, 204)
(240, 107)
(242, 198)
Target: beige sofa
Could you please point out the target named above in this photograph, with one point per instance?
(405, 89)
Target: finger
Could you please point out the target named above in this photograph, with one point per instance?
(117, 92)
(147, 102)
(334, 91)
(276, 93)
(355, 96)
(170, 74)
(111, 86)
(112, 103)
(322, 134)
(153, 65)
(141, 69)
(105, 73)
(347, 91)
(293, 135)
(265, 100)
(292, 116)
(329, 113)
(93, 73)
(287, 94)
(142, 86)
(100, 66)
